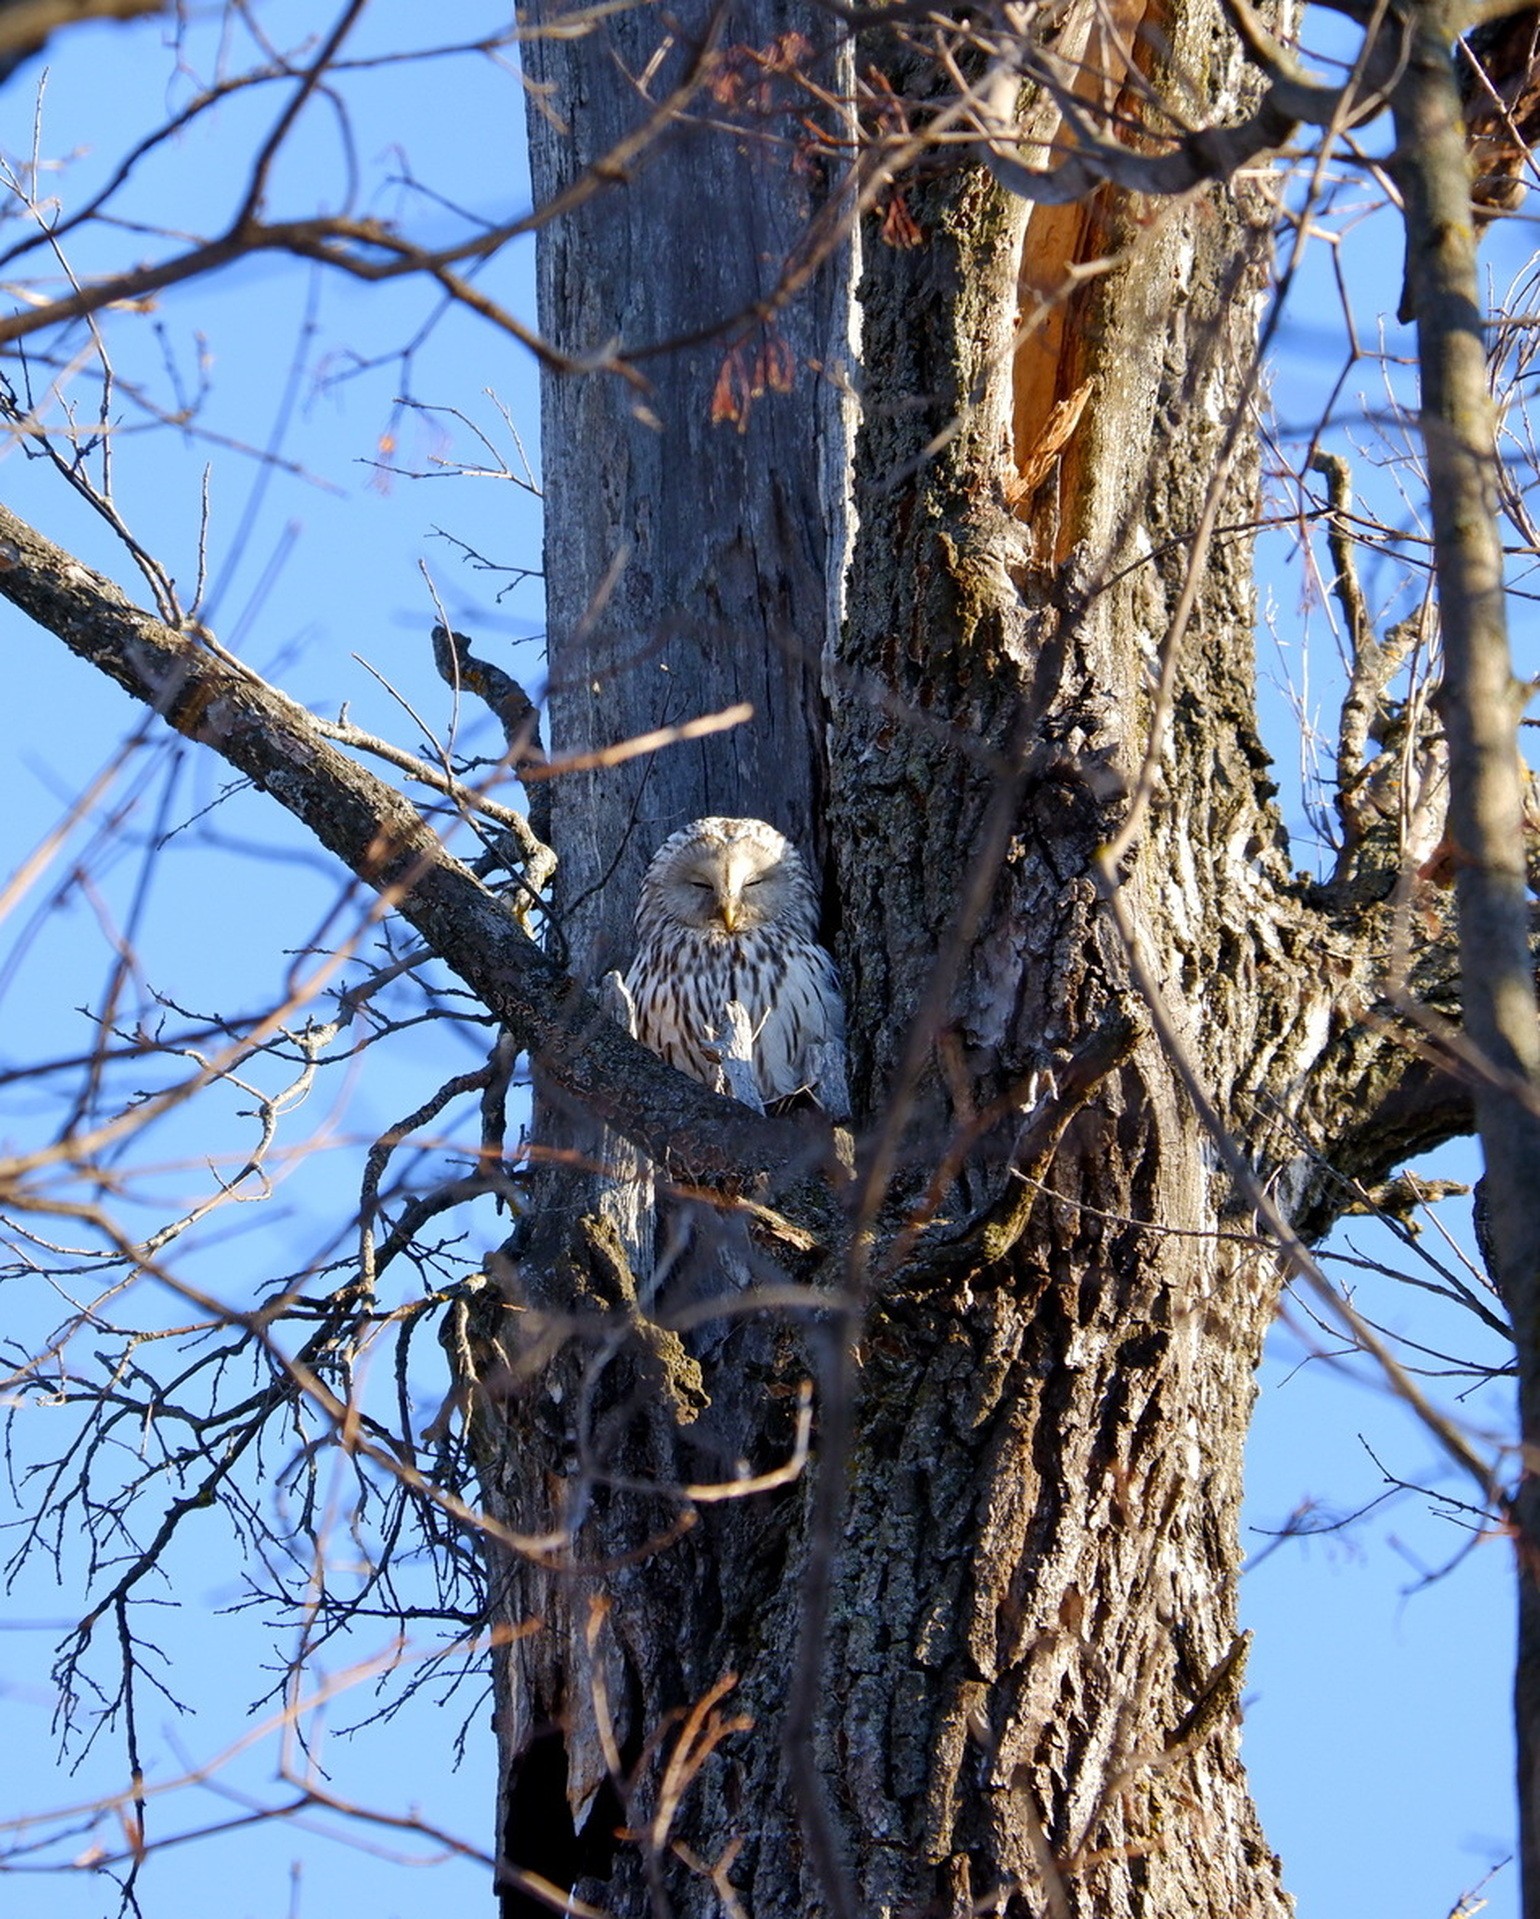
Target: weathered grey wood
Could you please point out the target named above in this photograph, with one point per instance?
(692, 565)
(689, 565)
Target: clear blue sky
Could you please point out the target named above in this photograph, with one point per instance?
(1377, 1704)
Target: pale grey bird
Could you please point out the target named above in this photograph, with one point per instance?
(727, 912)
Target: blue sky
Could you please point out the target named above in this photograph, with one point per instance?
(1377, 1701)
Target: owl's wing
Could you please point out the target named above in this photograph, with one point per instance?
(802, 1041)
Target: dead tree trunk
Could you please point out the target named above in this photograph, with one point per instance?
(695, 555)
(1027, 1664)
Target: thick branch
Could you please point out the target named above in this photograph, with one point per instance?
(1210, 153)
(1480, 701)
(1197, 155)
(383, 841)
(1480, 706)
(26, 24)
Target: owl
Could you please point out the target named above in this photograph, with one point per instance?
(727, 913)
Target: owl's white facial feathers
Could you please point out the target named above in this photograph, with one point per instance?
(726, 878)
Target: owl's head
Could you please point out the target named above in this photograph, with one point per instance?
(727, 878)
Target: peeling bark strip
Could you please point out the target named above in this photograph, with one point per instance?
(382, 839)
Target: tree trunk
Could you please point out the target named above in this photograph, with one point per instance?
(695, 556)
(1047, 1484)
(867, 1507)
(1023, 1621)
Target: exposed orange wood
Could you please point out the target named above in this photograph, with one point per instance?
(1108, 42)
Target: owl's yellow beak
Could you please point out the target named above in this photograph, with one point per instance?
(732, 913)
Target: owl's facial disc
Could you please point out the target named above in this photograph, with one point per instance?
(746, 895)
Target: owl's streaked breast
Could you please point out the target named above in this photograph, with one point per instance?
(684, 973)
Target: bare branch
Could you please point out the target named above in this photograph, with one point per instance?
(384, 843)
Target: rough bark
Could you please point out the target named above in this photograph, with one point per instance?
(1049, 1456)
(980, 1654)
(1026, 1657)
